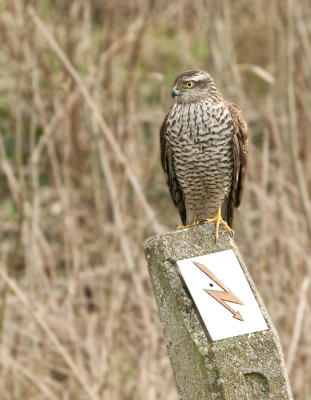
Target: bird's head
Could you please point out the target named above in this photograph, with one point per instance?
(194, 86)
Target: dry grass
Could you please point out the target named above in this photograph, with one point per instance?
(84, 87)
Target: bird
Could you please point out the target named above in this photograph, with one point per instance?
(203, 141)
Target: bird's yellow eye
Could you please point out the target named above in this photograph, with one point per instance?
(189, 85)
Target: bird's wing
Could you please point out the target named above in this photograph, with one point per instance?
(170, 175)
(240, 138)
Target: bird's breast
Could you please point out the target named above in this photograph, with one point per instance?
(202, 127)
(201, 137)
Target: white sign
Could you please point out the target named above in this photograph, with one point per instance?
(222, 295)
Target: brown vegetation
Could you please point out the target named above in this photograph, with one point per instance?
(84, 86)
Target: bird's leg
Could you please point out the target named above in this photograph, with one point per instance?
(194, 223)
(218, 220)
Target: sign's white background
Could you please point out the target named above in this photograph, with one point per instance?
(219, 321)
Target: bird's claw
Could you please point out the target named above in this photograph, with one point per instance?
(218, 221)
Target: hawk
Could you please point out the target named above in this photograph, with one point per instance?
(203, 152)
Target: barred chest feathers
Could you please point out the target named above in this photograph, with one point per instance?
(201, 134)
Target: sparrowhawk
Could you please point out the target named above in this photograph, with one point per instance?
(203, 152)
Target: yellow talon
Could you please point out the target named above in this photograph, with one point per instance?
(194, 223)
(218, 220)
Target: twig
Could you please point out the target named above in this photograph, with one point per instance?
(8, 171)
(298, 323)
(41, 322)
(102, 123)
(6, 359)
(299, 172)
(262, 73)
(129, 37)
(114, 199)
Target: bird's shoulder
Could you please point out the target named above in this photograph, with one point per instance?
(165, 123)
(169, 169)
(240, 155)
(164, 145)
(240, 126)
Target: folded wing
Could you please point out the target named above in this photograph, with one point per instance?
(170, 175)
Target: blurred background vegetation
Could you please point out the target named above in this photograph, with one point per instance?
(84, 87)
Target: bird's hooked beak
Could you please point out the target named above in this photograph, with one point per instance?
(175, 91)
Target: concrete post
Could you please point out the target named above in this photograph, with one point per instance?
(248, 366)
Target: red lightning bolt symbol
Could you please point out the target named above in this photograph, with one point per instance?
(221, 297)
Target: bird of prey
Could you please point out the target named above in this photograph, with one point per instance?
(203, 152)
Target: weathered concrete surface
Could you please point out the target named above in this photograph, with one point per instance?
(239, 368)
